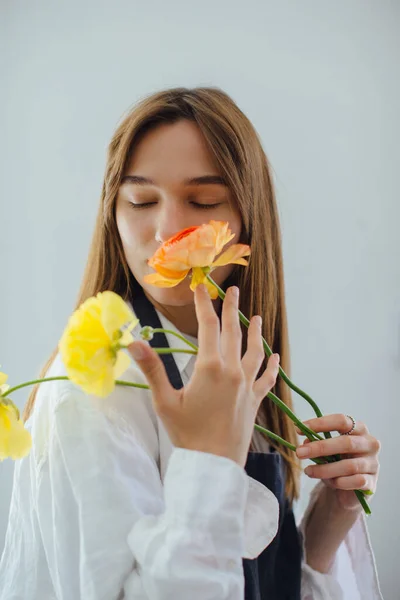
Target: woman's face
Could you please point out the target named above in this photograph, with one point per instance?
(171, 182)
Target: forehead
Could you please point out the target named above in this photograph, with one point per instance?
(172, 151)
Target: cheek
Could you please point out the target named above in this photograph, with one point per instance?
(132, 234)
(236, 227)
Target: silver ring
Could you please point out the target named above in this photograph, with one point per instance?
(352, 428)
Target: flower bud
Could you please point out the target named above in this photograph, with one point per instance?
(146, 333)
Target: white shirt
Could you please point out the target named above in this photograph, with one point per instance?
(105, 508)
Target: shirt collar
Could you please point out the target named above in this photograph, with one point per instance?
(181, 358)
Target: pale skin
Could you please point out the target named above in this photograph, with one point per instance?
(166, 159)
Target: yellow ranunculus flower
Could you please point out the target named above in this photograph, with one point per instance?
(3, 386)
(192, 249)
(91, 345)
(15, 440)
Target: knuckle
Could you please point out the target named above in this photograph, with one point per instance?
(211, 320)
(317, 449)
(258, 353)
(363, 481)
(350, 444)
(344, 422)
(233, 327)
(235, 376)
(270, 380)
(376, 445)
(359, 466)
(213, 366)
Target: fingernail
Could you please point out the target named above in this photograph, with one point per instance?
(303, 452)
(277, 357)
(308, 471)
(137, 351)
(235, 291)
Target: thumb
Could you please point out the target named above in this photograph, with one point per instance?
(153, 368)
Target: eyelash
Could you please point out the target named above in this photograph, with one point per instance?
(201, 206)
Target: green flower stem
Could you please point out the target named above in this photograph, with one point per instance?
(311, 435)
(269, 351)
(64, 378)
(170, 350)
(359, 493)
(181, 337)
(309, 432)
(361, 498)
(32, 382)
(275, 437)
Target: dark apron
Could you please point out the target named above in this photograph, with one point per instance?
(276, 573)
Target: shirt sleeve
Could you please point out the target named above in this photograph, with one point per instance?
(112, 530)
(353, 575)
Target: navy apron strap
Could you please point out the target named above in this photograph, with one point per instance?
(147, 315)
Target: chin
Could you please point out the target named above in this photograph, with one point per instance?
(180, 295)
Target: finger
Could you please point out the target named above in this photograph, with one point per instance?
(355, 482)
(344, 444)
(231, 333)
(255, 354)
(337, 422)
(266, 382)
(343, 468)
(208, 326)
(153, 368)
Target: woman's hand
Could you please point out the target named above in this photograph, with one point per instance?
(216, 411)
(359, 467)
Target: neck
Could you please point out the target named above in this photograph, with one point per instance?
(183, 317)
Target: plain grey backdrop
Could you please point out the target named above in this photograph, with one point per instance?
(319, 80)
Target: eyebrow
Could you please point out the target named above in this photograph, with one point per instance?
(203, 180)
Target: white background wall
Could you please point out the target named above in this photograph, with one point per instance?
(320, 82)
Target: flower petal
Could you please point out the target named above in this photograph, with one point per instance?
(160, 281)
(126, 339)
(212, 290)
(223, 234)
(199, 277)
(3, 378)
(175, 270)
(202, 257)
(233, 255)
(15, 440)
(115, 313)
(123, 362)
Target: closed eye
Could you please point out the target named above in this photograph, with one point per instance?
(196, 204)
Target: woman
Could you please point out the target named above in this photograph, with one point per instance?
(178, 497)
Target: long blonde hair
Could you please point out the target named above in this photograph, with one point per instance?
(236, 147)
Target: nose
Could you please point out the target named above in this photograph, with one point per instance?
(170, 220)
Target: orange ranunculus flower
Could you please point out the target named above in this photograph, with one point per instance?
(192, 249)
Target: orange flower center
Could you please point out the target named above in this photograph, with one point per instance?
(180, 235)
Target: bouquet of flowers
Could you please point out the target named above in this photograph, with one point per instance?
(93, 341)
